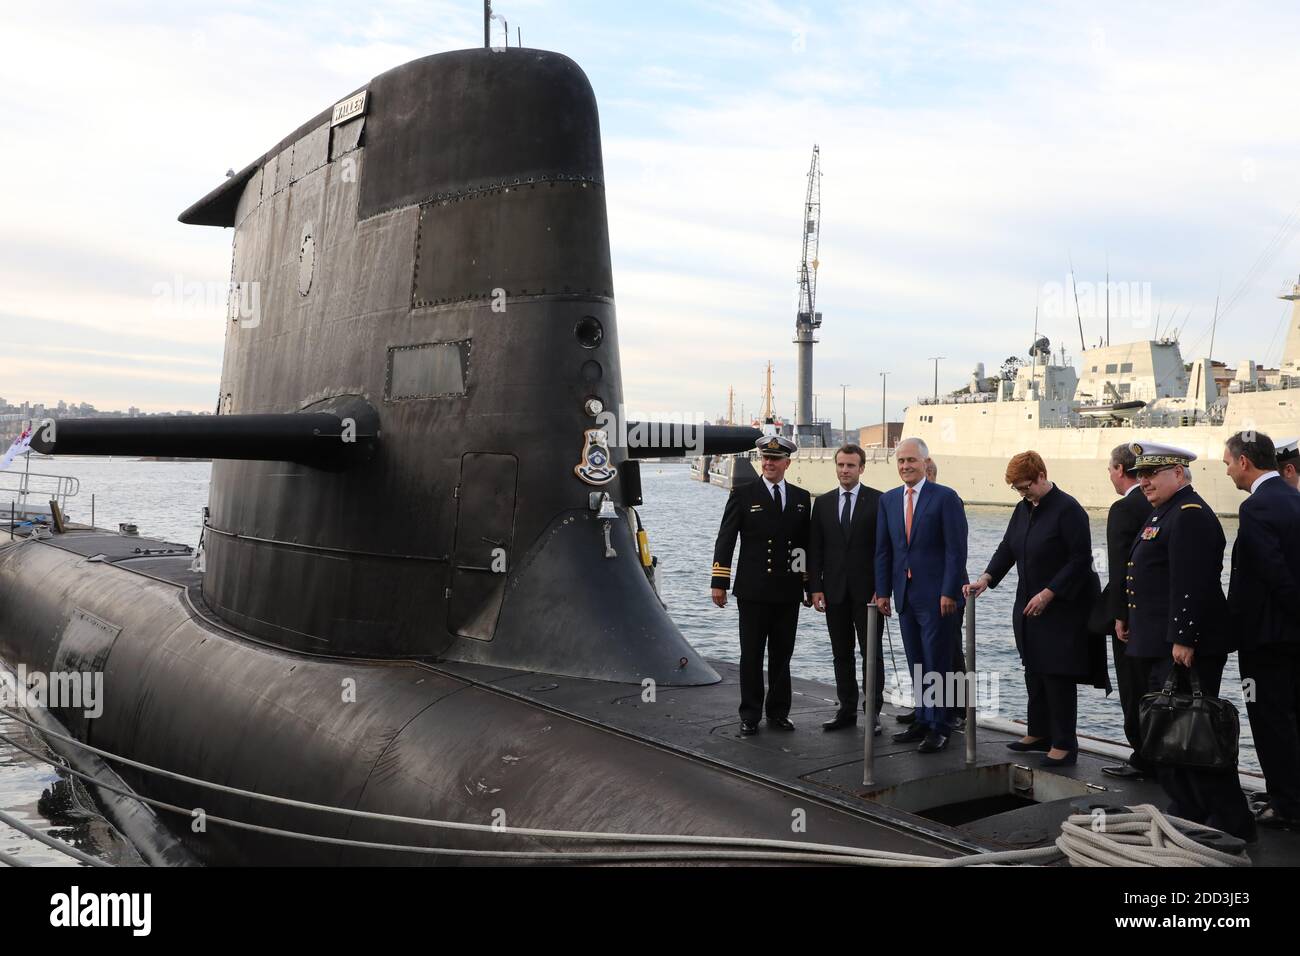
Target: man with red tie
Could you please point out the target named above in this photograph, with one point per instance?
(921, 561)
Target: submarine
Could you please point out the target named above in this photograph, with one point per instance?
(423, 591)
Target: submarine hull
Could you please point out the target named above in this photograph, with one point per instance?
(184, 692)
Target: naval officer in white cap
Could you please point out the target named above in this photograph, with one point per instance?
(771, 518)
(1288, 460)
(1178, 615)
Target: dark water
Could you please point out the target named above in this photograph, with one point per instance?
(167, 499)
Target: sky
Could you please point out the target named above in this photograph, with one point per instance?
(971, 151)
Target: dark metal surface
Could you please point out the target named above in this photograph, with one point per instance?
(319, 439)
(454, 123)
(680, 441)
(557, 244)
(182, 692)
(473, 213)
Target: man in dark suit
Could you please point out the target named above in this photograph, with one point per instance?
(771, 519)
(921, 560)
(1179, 616)
(1125, 520)
(841, 576)
(1264, 603)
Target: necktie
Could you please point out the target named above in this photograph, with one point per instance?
(911, 494)
(847, 513)
(776, 495)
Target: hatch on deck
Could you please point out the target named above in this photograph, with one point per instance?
(977, 792)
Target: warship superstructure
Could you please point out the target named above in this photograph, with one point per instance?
(1073, 414)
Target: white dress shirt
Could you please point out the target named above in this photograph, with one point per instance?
(1254, 485)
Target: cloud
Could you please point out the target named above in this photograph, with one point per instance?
(970, 150)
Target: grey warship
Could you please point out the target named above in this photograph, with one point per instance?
(423, 590)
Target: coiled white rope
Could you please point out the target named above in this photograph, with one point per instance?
(1138, 836)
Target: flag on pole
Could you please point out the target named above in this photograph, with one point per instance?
(21, 445)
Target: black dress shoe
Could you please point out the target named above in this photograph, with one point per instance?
(933, 743)
(1125, 770)
(911, 735)
(1069, 760)
(907, 718)
(878, 729)
(780, 723)
(840, 722)
(747, 729)
(1269, 817)
(1042, 743)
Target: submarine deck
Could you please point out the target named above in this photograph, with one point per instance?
(1004, 802)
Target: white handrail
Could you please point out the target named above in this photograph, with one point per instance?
(19, 485)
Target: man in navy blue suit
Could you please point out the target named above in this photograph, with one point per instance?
(1264, 602)
(921, 562)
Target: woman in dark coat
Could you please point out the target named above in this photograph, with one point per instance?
(1050, 544)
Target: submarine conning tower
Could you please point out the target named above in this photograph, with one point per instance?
(435, 248)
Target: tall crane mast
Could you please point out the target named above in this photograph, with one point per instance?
(808, 319)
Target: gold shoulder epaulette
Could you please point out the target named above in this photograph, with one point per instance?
(1192, 505)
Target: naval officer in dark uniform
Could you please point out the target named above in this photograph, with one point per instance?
(1177, 614)
(1264, 601)
(771, 518)
(1123, 522)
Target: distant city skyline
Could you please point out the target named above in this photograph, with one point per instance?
(972, 153)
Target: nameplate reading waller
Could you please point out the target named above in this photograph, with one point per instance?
(350, 108)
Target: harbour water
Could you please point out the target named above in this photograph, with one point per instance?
(166, 499)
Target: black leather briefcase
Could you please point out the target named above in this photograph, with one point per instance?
(1188, 730)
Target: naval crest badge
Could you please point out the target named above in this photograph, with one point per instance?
(595, 467)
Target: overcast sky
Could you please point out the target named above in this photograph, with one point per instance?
(970, 152)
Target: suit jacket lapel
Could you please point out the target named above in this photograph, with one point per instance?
(895, 512)
(862, 509)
